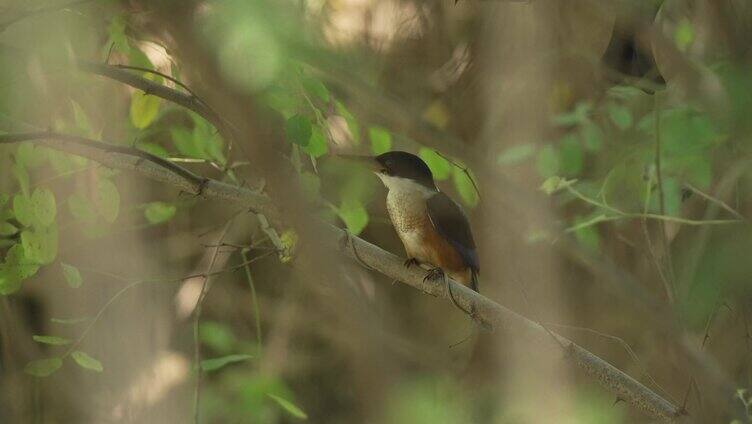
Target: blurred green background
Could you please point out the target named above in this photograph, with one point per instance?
(601, 149)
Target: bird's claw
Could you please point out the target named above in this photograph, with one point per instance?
(410, 262)
(344, 240)
(434, 274)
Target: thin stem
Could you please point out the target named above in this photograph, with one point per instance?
(661, 197)
(133, 284)
(657, 217)
(651, 249)
(256, 311)
(715, 200)
(197, 321)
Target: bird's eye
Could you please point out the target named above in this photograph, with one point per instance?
(384, 171)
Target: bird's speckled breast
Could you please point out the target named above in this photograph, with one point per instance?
(407, 210)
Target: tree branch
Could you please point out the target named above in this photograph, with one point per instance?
(154, 167)
(620, 384)
(187, 100)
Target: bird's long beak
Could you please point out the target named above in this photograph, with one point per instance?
(369, 162)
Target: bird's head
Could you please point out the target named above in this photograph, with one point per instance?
(399, 171)
(402, 170)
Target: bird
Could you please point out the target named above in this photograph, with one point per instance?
(433, 228)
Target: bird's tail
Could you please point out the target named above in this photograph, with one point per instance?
(474, 280)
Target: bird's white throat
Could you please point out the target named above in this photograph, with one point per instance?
(406, 186)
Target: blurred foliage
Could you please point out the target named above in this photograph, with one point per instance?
(622, 161)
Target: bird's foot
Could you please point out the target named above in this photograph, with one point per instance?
(472, 312)
(410, 262)
(344, 240)
(435, 274)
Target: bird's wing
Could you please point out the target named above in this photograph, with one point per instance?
(450, 221)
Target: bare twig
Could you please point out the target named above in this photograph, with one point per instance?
(464, 169)
(187, 100)
(651, 249)
(197, 321)
(626, 347)
(134, 283)
(254, 299)
(662, 201)
(717, 201)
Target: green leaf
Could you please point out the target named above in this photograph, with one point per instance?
(217, 336)
(554, 184)
(144, 109)
(185, 142)
(72, 275)
(587, 235)
(159, 212)
(43, 367)
(116, 34)
(316, 88)
(81, 208)
(547, 163)
(214, 147)
(23, 210)
(353, 214)
(282, 101)
(516, 154)
(288, 241)
(63, 162)
(22, 176)
(7, 229)
(381, 140)
(465, 187)
(579, 115)
(289, 407)
(298, 130)
(684, 34)
(16, 268)
(44, 207)
(217, 363)
(551, 185)
(317, 145)
(28, 156)
(592, 136)
(85, 361)
(51, 340)
(136, 57)
(570, 156)
(437, 114)
(82, 121)
(440, 167)
(40, 244)
(107, 200)
(684, 131)
(620, 115)
(154, 149)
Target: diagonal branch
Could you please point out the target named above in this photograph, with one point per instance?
(187, 100)
(620, 384)
(154, 167)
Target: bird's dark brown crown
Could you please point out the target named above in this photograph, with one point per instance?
(406, 165)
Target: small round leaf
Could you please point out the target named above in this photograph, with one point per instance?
(43, 367)
(85, 361)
